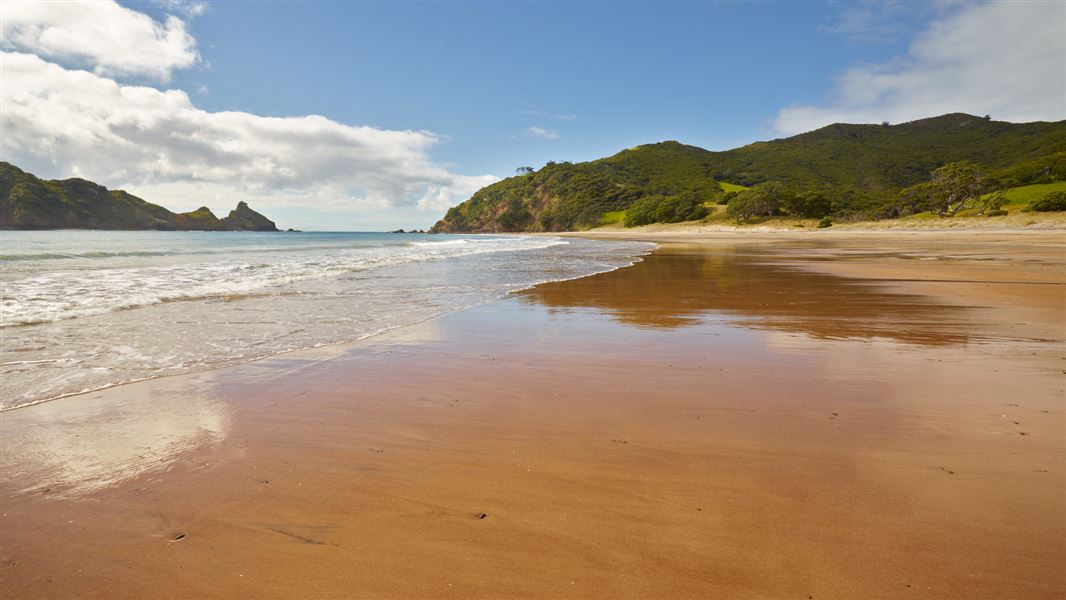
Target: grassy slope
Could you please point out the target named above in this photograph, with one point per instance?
(732, 187)
(614, 217)
(1020, 197)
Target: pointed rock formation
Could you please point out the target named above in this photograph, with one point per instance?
(243, 218)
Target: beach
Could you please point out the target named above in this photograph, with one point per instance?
(737, 415)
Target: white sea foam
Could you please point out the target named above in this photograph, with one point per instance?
(71, 293)
(86, 310)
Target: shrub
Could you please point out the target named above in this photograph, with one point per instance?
(999, 212)
(825, 222)
(665, 209)
(1051, 201)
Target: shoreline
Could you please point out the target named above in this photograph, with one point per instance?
(675, 231)
(656, 234)
(734, 417)
(234, 362)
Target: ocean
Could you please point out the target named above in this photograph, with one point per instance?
(86, 310)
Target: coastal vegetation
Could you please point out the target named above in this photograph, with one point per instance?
(844, 172)
(763, 200)
(28, 202)
(665, 209)
(1052, 201)
(952, 188)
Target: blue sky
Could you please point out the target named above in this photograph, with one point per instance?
(712, 75)
(417, 104)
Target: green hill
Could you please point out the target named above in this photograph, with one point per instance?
(27, 202)
(878, 160)
(860, 167)
(564, 196)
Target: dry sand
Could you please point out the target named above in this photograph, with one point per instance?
(737, 416)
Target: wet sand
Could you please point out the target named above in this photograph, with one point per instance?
(737, 416)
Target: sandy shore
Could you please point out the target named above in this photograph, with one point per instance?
(1016, 221)
(737, 416)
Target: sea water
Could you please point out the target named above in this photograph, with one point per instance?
(86, 310)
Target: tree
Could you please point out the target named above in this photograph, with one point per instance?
(812, 205)
(759, 201)
(762, 200)
(524, 170)
(777, 194)
(954, 187)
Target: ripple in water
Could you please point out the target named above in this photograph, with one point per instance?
(85, 310)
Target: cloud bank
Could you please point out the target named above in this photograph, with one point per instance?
(61, 122)
(113, 40)
(1006, 59)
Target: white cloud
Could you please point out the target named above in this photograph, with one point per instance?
(189, 8)
(544, 134)
(58, 122)
(105, 36)
(1006, 59)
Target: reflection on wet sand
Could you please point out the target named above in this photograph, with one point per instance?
(504, 452)
(678, 285)
(70, 447)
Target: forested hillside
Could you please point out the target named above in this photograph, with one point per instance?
(856, 170)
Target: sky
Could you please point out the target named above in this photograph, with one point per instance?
(379, 115)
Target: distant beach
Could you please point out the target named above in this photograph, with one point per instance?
(735, 415)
